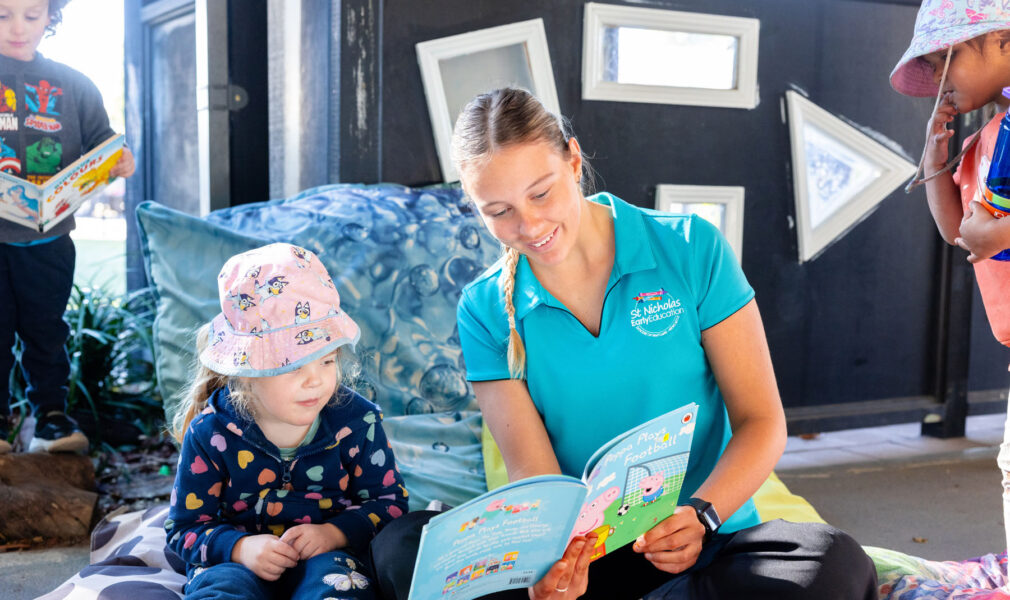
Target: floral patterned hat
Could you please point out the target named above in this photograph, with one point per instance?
(279, 311)
(940, 25)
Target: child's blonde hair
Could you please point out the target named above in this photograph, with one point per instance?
(205, 382)
(488, 123)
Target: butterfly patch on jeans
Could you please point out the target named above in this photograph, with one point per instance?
(343, 583)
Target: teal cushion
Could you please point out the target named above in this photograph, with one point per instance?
(182, 256)
(399, 257)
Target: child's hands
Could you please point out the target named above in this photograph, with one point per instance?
(938, 136)
(309, 540)
(265, 555)
(982, 234)
(675, 543)
(124, 167)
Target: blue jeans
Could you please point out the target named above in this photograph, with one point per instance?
(329, 575)
(35, 284)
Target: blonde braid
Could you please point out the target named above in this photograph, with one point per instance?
(516, 350)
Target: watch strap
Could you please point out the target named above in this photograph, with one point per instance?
(707, 515)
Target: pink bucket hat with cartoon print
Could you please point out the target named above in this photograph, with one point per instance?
(279, 311)
(940, 25)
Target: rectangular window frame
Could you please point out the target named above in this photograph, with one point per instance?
(732, 197)
(529, 33)
(600, 16)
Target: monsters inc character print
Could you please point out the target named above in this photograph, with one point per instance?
(9, 162)
(44, 157)
(41, 97)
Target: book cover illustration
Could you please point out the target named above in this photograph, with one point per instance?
(505, 539)
(43, 206)
(634, 481)
(511, 536)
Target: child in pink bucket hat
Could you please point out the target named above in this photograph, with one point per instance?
(279, 310)
(960, 52)
(284, 475)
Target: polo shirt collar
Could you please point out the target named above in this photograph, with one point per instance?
(633, 254)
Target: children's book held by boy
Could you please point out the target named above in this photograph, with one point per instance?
(42, 206)
(511, 536)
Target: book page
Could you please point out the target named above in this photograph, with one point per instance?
(64, 192)
(507, 538)
(634, 482)
(19, 201)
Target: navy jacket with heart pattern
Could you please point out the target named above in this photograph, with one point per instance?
(231, 480)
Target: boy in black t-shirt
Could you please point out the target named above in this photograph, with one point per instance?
(50, 115)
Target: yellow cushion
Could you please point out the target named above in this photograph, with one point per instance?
(494, 464)
(773, 499)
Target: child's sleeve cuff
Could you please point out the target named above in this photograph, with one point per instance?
(356, 526)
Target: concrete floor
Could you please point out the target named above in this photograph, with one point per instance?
(888, 487)
(946, 508)
(30, 574)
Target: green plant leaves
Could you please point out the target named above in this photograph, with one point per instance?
(111, 351)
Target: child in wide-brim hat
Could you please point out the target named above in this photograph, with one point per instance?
(960, 53)
(284, 475)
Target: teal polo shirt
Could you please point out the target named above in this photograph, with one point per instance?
(673, 276)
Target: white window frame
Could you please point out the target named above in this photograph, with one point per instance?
(529, 33)
(732, 197)
(600, 16)
(895, 170)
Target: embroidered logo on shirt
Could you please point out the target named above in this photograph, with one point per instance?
(656, 313)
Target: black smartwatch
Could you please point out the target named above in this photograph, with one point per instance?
(707, 515)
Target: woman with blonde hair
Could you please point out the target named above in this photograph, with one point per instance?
(602, 316)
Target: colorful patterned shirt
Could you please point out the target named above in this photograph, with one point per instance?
(50, 114)
(232, 482)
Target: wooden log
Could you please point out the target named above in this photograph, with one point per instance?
(46, 495)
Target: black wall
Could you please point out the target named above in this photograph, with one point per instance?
(885, 323)
(860, 321)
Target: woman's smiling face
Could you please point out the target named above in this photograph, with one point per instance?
(529, 197)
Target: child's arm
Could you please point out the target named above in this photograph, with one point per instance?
(941, 192)
(194, 529)
(375, 482)
(982, 234)
(95, 128)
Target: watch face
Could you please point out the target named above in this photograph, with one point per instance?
(711, 521)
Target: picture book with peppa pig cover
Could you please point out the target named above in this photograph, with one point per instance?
(43, 206)
(509, 537)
